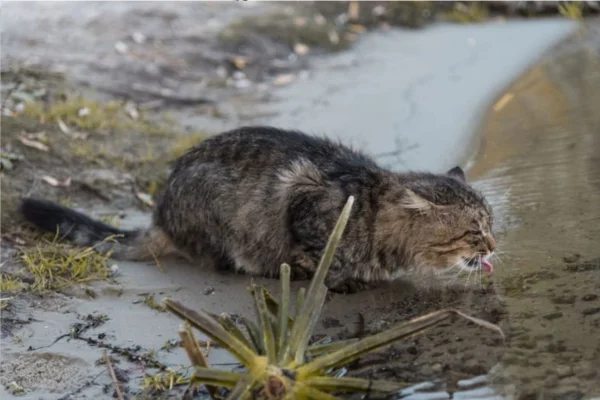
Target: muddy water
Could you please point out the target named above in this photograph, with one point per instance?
(540, 166)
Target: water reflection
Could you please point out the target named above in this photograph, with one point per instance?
(540, 166)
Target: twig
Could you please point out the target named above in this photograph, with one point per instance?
(111, 371)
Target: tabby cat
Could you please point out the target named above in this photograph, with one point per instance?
(256, 197)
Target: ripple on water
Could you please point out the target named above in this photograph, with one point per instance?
(540, 166)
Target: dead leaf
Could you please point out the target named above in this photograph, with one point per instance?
(284, 79)
(33, 143)
(301, 49)
(132, 111)
(65, 129)
(353, 11)
(55, 182)
(62, 126)
(504, 100)
(239, 62)
(145, 198)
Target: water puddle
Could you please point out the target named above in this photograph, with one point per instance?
(540, 167)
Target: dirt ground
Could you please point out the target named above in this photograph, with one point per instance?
(95, 127)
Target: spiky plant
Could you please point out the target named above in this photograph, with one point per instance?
(279, 362)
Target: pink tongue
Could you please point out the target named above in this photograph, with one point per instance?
(489, 267)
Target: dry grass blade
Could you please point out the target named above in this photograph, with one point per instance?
(254, 334)
(191, 346)
(231, 327)
(272, 305)
(353, 384)
(209, 326)
(284, 308)
(313, 294)
(194, 353)
(265, 325)
(113, 377)
(299, 300)
(382, 339)
(243, 387)
(309, 328)
(213, 377)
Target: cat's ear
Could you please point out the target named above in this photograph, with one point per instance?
(457, 173)
(415, 202)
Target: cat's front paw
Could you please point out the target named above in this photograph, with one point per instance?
(346, 286)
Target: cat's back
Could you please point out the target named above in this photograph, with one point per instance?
(262, 147)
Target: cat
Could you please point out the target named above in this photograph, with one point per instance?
(255, 197)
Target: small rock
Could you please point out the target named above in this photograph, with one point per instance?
(563, 371)
(284, 79)
(301, 49)
(590, 297)
(437, 367)
(591, 311)
(567, 299)
(209, 290)
(83, 112)
(114, 271)
(121, 47)
(571, 258)
(138, 37)
(553, 316)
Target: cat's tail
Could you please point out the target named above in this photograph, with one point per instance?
(134, 245)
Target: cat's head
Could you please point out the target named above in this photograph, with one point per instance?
(451, 222)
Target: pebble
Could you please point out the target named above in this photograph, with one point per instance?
(563, 371)
(114, 271)
(590, 297)
(591, 311)
(121, 47)
(571, 258)
(138, 37)
(552, 316)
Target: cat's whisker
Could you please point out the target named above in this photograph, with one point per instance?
(480, 269)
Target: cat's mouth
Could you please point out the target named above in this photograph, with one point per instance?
(477, 263)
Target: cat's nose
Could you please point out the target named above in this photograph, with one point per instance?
(491, 243)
